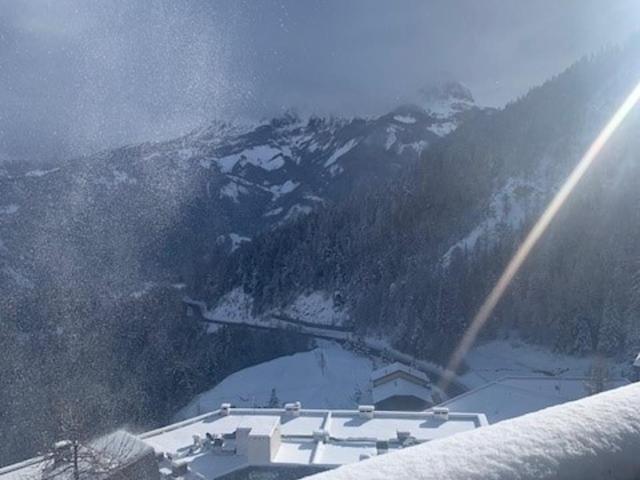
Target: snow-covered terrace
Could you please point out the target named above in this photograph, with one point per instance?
(313, 439)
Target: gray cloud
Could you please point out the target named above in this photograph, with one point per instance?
(81, 75)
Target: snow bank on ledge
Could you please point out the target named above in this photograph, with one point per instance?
(594, 438)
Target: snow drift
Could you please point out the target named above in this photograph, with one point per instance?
(593, 438)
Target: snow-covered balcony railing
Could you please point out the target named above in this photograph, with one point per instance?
(594, 438)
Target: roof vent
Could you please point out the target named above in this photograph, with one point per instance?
(225, 409)
(293, 408)
(441, 413)
(366, 411)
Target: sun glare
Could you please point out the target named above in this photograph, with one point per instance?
(485, 311)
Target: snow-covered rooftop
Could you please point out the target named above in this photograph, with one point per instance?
(320, 439)
(398, 380)
(513, 396)
(398, 367)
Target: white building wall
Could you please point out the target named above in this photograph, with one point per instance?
(400, 386)
(274, 443)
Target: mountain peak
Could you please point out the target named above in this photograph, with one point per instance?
(449, 90)
(446, 99)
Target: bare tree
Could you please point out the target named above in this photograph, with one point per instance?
(117, 456)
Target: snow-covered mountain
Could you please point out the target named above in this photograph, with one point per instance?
(422, 256)
(176, 202)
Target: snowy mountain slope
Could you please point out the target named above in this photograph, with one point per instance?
(201, 195)
(593, 438)
(423, 254)
(314, 308)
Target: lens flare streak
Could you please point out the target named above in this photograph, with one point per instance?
(536, 232)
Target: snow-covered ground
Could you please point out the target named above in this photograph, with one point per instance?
(511, 378)
(508, 208)
(404, 119)
(499, 358)
(237, 240)
(286, 187)
(315, 307)
(233, 191)
(512, 397)
(40, 173)
(327, 377)
(262, 156)
(235, 305)
(340, 152)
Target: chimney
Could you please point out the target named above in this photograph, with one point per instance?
(293, 408)
(225, 409)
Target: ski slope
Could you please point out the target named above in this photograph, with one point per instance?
(327, 377)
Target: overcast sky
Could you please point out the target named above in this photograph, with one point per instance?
(82, 75)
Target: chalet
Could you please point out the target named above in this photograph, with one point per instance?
(400, 387)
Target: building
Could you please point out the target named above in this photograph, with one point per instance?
(240, 443)
(117, 456)
(400, 387)
(233, 443)
(511, 397)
